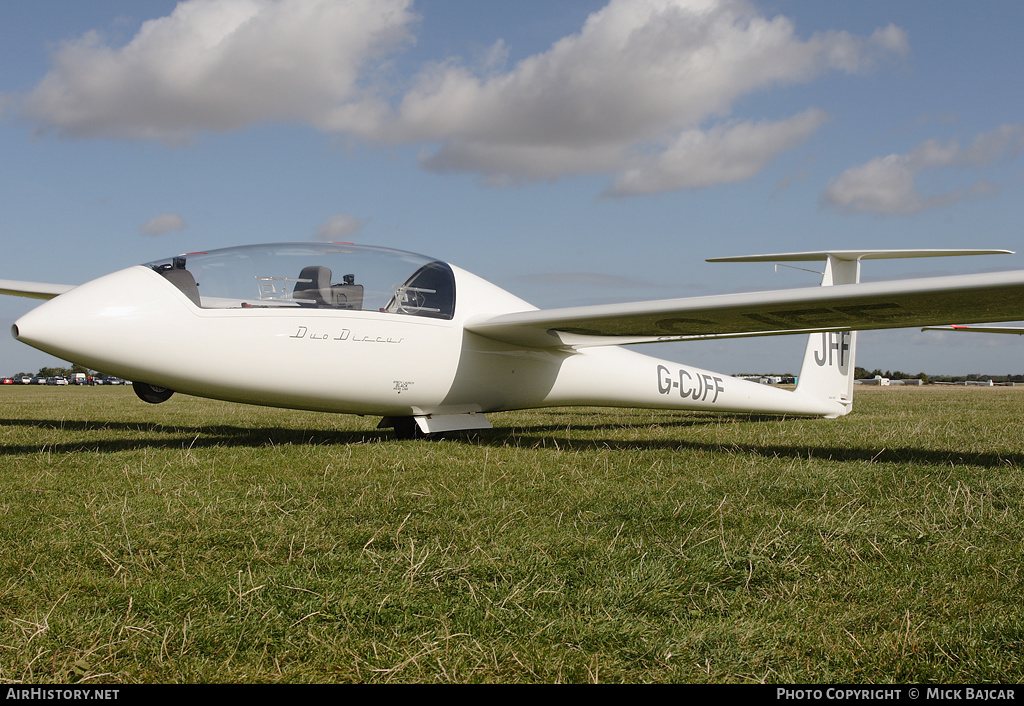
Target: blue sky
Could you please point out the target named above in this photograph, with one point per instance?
(573, 152)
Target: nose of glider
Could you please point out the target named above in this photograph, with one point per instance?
(99, 323)
(48, 328)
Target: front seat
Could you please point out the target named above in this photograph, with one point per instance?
(314, 281)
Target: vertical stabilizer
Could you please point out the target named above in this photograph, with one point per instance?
(827, 372)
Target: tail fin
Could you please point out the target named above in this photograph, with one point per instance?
(827, 372)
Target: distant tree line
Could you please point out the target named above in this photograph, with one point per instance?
(864, 374)
(56, 372)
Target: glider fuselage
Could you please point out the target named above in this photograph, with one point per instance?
(361, 362)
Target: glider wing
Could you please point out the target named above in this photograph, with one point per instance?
(33, 290)
(973, 298)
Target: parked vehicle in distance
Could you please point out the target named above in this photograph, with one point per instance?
(57, 380)
(8, 381)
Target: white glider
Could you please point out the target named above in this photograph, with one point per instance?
(430, 347)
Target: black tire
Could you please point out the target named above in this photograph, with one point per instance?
(407, 428)
(151, 393)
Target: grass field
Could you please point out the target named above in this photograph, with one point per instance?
(199, 541)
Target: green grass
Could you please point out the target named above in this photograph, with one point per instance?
(199, 541)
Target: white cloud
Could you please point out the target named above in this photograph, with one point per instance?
(888, 185)
(639, 73)
(641, 77)
(339, 227)
(162, 224)
(219, 65)
(721, 155)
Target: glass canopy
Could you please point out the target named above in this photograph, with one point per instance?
(314, 275)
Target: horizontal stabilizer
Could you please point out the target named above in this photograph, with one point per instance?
(853, 255)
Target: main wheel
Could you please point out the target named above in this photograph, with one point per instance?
(151, 393)
(407, 428)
